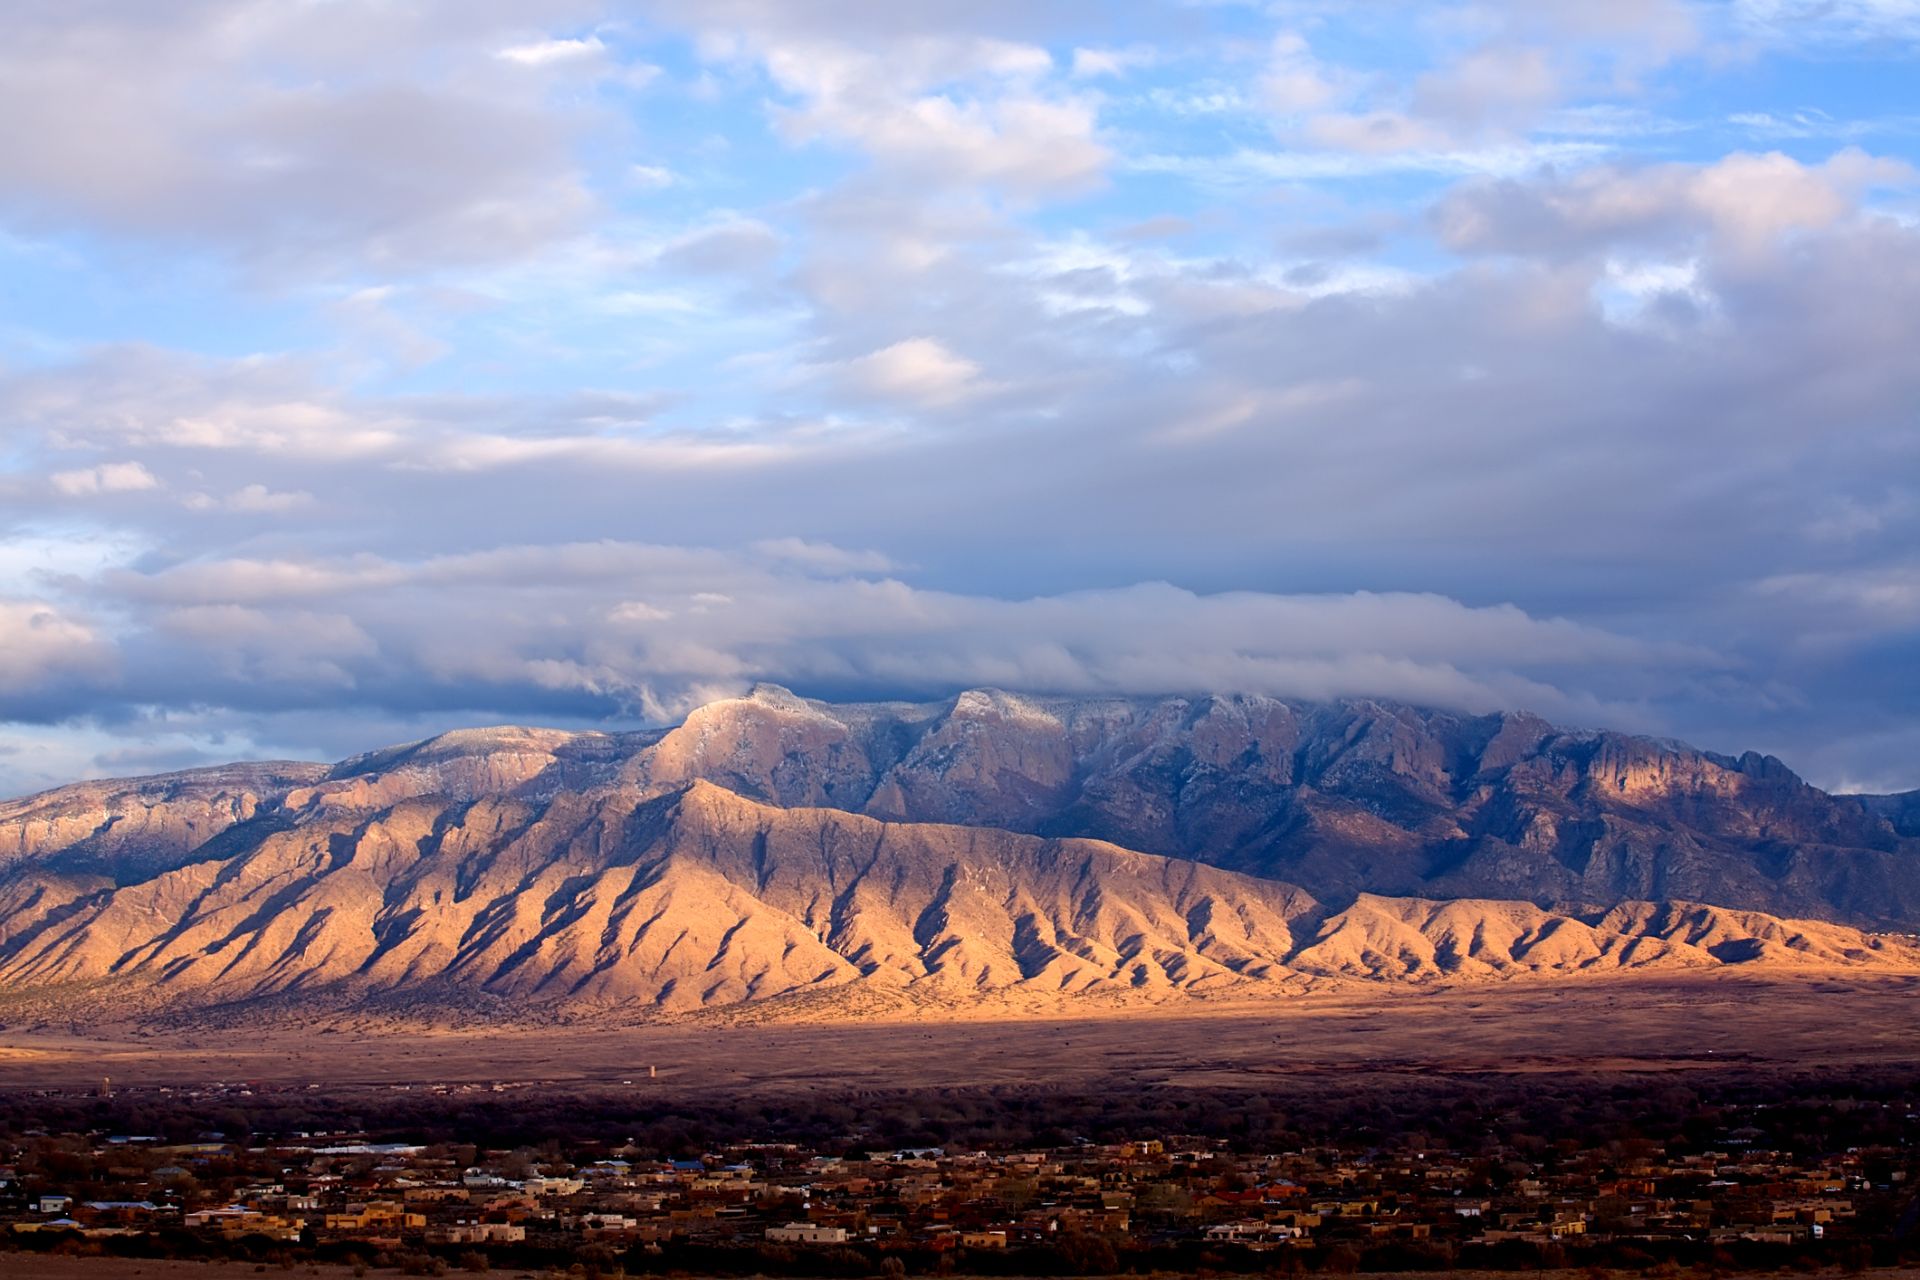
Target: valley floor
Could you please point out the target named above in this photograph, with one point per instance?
(16, 1266)
(1604, 1026)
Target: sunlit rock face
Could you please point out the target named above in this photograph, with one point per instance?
(127, 828)
(995, 847)
(1340, 798)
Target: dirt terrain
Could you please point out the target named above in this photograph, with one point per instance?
(24, 1266)
(1615, 1024)
(29, 1267)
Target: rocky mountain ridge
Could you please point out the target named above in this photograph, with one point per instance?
(994, 846)
(1341, 798)
(599, 903)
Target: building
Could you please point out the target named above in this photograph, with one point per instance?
(806, 1233)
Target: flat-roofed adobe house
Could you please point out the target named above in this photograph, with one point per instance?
(806, 1233)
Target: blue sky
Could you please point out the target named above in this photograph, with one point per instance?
(369, 368)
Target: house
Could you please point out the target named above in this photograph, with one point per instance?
(478, 1233)
(235, 1221)
(1253, 1233)
(553, 1186)
(806, 1233)
(382, 1216)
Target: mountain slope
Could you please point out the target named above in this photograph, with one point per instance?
(1403, 939)
(691, 899)
(611, 903)
(1340, 798)
(983, 848)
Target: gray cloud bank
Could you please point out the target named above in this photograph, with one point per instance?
(624, 629)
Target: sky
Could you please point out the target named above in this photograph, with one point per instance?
(370, 368)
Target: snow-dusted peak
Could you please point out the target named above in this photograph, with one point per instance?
(1000, 705)
(779, 698)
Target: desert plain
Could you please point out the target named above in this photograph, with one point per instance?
(1615, 1024)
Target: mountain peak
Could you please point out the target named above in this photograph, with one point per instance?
(763, 698)
(777, 696)
(1000, 704)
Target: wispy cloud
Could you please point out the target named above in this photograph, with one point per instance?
(1831, 21)
(1249, 164)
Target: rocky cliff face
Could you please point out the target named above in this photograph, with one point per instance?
(127, 829)
(990, 847)
(1339, 798)
(1901, 811)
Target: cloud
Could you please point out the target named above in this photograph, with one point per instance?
(1377, 133)
(46, 658)
(1490, 95)
(254, 646)
(732, 246)
(1836, 21)
(1097, 62)
(1361, 148)
(1494, 73)
(234, 415)
(919, 371)
(1880, 597)
(539, 53)
(259, 499)
(624, 629)
(1025, 144)
(925, 102)
(302, 139)
(141, 396)
(1624, 40)
(109, 477)
(1743, 202)
(1500, 87)
(823, 557)
(1295, 81)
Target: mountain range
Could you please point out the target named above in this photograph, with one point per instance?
(1026, 852)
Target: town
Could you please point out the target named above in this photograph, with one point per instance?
(1156, 1201)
